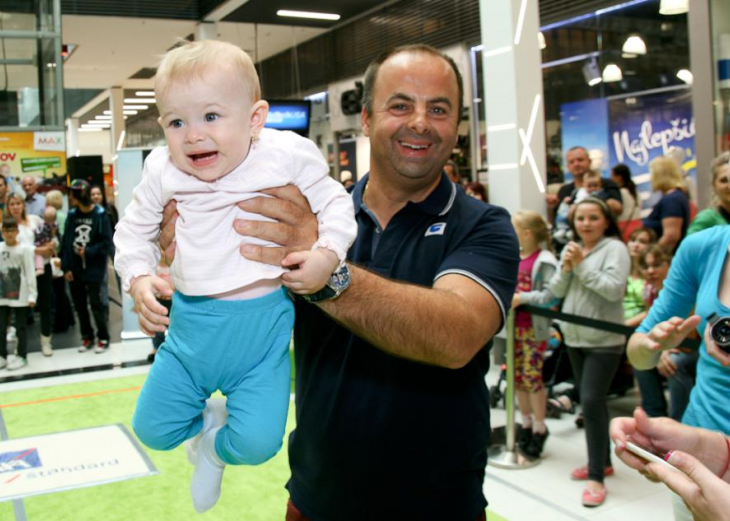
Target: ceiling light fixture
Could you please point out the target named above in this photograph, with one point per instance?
(140, 100)
(143, 93)
(670, 7)
(541, 40)
(592, 73)
(135, 107)
(102, 117)
(686, 76)
(612, 73)
(90, 129)
(130, 112)
(634, 45)
(306, 14)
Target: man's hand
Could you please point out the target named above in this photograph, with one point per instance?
(167, 231)
(31, 304)
(666, 366)
(152, 315)
(69, 276)
(315, 268)
(295, 229)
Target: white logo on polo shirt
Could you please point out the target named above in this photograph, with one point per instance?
(436, 229)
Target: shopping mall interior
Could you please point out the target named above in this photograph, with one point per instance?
(625, 81)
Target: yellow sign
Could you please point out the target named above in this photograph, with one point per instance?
(41, 154)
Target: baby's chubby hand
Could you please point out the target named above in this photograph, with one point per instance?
(152, 315)
(313, 271)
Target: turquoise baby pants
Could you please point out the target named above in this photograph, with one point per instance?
(240, 347)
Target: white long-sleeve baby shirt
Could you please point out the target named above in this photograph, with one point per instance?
(207, 256)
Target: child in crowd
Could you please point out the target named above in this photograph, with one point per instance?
(635, 307)
(17, 291)
(231, 320)
(537, 267)
(676, 365)
(44, 234)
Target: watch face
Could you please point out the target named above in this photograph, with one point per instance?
(340, 279)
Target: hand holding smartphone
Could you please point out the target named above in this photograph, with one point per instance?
(649, 455)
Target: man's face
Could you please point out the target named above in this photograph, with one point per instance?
(29, 186)
(578, 162)
(413, 126)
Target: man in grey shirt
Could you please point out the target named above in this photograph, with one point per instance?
(35, 203)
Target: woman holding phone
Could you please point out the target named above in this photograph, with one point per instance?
(699, 278)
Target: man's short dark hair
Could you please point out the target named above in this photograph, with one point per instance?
(10, 223)
(371, 73)
(573, 149)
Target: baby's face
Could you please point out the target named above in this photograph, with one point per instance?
(49, 216)
(593, 184)
(207, 123)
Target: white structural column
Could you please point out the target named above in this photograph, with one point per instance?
(116, 105)
(72, 137)
(514, 104)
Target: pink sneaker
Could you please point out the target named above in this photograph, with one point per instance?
(581, 473)
(593, 498)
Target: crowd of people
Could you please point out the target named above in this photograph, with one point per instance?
(646, 274)
(69, 253)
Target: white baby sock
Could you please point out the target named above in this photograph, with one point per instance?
(205, 487)
(215, 415)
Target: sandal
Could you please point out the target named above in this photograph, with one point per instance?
(558, 404)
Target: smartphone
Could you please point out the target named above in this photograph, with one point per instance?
(648, 454)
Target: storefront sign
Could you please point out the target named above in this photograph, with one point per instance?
(42, 154)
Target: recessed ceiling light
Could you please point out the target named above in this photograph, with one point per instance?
(306, 14)
(130, 112)
(135, 107)
(140, 100)
(90, 129)
(103, 117)
(143, 93)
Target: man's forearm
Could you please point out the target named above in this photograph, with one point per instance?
(430, 325)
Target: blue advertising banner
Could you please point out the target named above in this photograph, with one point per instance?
(585, 124)
(633, 130)
(645, 127)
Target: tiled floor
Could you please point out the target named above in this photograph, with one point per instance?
(543, 492)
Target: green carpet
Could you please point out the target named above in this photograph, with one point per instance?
(249, 493)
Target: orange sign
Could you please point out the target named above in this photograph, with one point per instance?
(41, 154)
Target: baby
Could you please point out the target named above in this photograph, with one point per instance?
(231, 320)
(45, 234)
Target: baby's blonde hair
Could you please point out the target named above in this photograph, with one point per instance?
(533, 221)
(54, 198)
(192, 60)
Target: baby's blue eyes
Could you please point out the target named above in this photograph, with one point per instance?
(176, 123)
(211, 117)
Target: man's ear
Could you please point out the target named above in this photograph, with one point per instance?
(259, 111)
(365, 121)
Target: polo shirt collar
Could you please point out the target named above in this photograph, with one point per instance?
(438, 202)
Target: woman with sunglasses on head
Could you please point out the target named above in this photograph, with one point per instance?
(592, 281)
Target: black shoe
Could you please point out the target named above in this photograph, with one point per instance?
(524, 437)
(579, 421)
(537, 443)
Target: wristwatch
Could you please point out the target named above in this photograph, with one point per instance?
(720, 331)
(339, 282)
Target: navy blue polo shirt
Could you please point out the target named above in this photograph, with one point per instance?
(380, 437)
